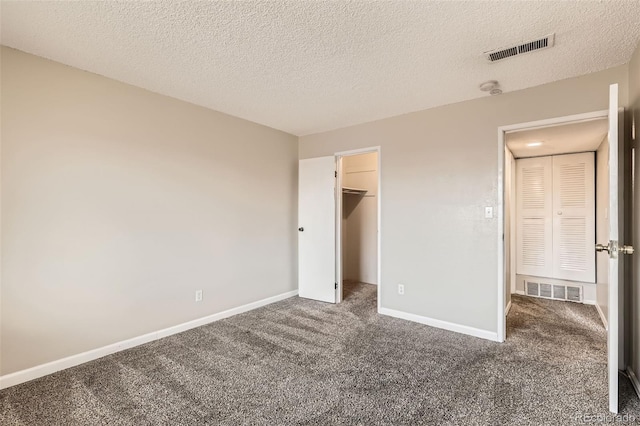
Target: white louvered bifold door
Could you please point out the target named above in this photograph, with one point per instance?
(574, 217)
(533, 216)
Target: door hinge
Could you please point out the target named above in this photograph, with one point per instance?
(335, 174)
(336, 286)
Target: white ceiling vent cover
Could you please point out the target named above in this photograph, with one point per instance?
(529, 46)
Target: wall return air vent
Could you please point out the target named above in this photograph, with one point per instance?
(519, 49)
(571, 293)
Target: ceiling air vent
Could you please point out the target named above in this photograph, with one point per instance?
(530, 46)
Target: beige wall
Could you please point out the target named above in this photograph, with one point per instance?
(361, 223)
(118, 203)
(634, 103)
(439, 169)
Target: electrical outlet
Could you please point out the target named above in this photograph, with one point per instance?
(198, 295)
(400, 289)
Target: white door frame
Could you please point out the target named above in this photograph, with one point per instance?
(339, 156)
(502, 130)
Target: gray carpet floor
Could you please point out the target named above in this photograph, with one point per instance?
(300, 362)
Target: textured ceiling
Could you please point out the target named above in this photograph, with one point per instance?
(309, 66)
(562, 139)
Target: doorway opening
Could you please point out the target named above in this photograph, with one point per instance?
(532, 142)
(357, 221)
(321, 208)
(558, 204)
(556, 193)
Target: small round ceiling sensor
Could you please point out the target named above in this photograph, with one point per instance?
(491, 86)
(488, 86)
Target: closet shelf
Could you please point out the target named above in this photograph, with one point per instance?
(353, 191)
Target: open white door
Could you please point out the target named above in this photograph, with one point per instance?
(317, 229)
(614, 248)
(612, 337)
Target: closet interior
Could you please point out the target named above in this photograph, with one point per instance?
(359, 231)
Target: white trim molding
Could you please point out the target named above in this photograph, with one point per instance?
(41, 370)
(634, 380)
(501, 333)
(445, 325)
(506, 311)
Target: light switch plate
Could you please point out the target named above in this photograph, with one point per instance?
(488, 212)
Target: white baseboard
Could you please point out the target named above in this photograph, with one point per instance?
(520, 292)
(634, 380)
(471, 331)
(506, 311)
(602, 317)
(22, 376)
(589, 302)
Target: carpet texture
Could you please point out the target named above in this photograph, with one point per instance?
(300, 362)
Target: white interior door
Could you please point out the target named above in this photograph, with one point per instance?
(612, 248)
(574, 219)
(534, 219)
(317, 229)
